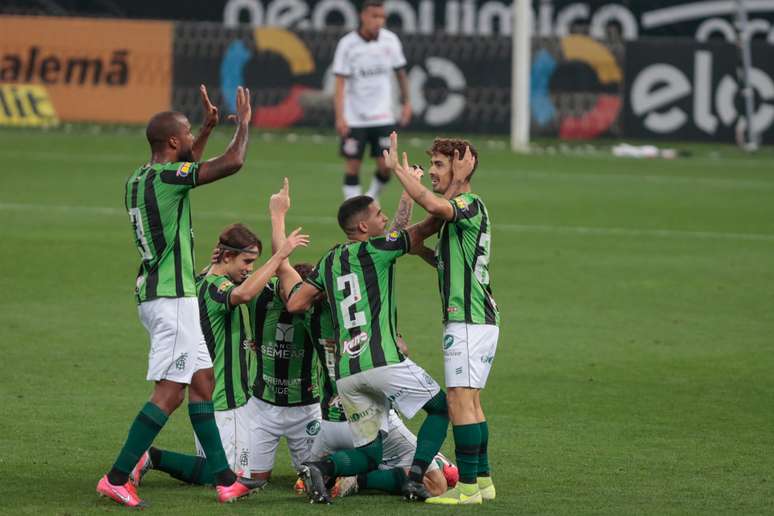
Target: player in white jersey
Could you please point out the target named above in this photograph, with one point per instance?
(364, 63)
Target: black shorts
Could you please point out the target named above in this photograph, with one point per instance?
(378, 138)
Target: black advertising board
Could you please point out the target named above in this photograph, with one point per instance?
(683, 90)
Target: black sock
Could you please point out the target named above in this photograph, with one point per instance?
(351, 180)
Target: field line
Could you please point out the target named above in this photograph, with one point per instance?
(307, 219)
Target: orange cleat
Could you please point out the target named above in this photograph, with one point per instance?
(124, 495)
(140, 469)
(298, 487)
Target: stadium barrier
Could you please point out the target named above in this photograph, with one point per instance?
(581, 88)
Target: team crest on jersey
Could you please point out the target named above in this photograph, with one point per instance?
(393, 236)
(184, 169)
(180, 362)
(225, 286)
(448, 341)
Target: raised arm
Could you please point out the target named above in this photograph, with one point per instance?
(250, 288)
(234, 156)
(278, 207)
(210, 121)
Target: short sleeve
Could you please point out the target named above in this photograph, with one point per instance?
(398, 57)
(341, 65)
(465, 207)
(316, 278)
(391, 246)
(219, 292)
(182, 174)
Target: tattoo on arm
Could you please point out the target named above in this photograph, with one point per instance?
(403, 215)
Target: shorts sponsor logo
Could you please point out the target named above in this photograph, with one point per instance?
(384, 142)
(350, 146)
(458, 370)
(429, 379)
(392, 236)
(355, 346)
(180, 362)
(357, 416)
(452, 354)
(394, 396)
(448, 341)
(184, 169)
(313, 427)
(487, 359)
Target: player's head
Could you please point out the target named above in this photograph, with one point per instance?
(238, 248)
(441, 156)
(372, 18)
(170, 132)
(304, 270)
(361, 218)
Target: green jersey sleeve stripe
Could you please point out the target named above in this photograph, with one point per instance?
(353, 364)
(243, 354)
(156, 228)
(204, 318)
(177, 254)
(374, 303)
(228, 365)
(466, 273)
(446, 261)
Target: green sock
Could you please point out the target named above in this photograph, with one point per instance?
(202, 417)
(431, 436)
(483, 457)
(146, 426)
(467, 439)
(358, 460)
(388, 480)
(188, 468)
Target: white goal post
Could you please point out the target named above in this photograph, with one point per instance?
(520, 75)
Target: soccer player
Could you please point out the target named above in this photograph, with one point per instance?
(373, 374)
(364, 62)
(470, 314)
(227, 285)
(157, 199)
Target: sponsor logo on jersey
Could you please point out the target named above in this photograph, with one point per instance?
(355, 346)
(393, 236)
(313, 427)
(461, 204)
(448, 341)
(184, 169)
(452, 309)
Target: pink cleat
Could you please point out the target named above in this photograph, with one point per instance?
(140, 469)
(239, 489)
(124, 495)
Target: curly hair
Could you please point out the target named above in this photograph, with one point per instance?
(447, 146)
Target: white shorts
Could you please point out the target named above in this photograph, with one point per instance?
(367, 397)
(234, 429)
(398, 447)
(300, 425)
(177, 347)
(468, 353)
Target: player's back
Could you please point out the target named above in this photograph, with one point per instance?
(358, 279)
(156, 198)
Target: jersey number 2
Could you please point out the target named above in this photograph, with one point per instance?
(351, 319)
(136, 218)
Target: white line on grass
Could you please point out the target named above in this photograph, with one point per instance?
(523, 228)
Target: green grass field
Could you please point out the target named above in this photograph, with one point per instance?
(635, 370)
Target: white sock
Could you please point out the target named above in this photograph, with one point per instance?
(376, 187)
(351, 191)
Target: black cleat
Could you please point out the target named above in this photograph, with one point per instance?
(415, 491)
(314, 483)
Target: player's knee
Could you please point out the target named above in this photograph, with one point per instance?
(437, 405)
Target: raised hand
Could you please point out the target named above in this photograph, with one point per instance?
(294, 240)
(280, 202)
(210, 111)
(243, 109)
(391, 156)
(462, 168)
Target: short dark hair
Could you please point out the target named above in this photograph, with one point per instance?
(163, 126)
(304, 269)
(351, 208)
(237, 238)
(371, 3)
(447, 146)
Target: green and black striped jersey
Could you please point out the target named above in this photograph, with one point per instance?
(157, 201)
(320, 327)
(358, 279)
(462, 254)
(287, 367)
(224, 333)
